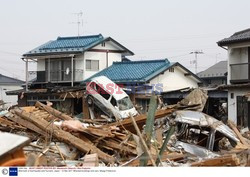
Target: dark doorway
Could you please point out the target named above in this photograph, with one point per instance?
(77, 106)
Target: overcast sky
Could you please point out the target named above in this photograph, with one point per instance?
(151, 29)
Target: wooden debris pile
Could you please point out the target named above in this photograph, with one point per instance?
(58, 139)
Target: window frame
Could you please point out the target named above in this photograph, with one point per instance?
(91, 65)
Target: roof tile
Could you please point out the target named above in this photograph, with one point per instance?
(131, 71)
(236, 37)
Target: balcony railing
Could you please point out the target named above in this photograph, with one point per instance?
(55, 76)
(240, 72)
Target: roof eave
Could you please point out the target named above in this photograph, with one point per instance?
(227, 43)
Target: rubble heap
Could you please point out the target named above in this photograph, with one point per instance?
(176, 135)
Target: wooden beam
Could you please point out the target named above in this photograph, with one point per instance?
(53, 111)
(236, 131)
(64, 136)
(140, 120)
(25, 123)
(230, 160)
(85, 109)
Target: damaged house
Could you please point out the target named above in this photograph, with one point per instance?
(62, 64)
(141, 78)
(238, 83)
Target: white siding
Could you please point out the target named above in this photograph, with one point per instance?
(108, 46)
(41, 65)
(174, 80)
(102, 58)
(80, 60)
(10, 100)
(79, 67)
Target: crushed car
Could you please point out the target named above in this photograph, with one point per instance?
(110, 98)
(199, 130)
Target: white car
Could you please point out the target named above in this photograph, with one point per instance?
(109, 97)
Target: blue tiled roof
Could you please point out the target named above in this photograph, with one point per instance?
(72, 42)
(134, 71)
(73, 45)
(68, 44)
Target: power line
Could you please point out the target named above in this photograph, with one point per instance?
(10, 53)
(196, 52)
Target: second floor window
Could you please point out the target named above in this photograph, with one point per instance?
(92, 65)
(60, 69)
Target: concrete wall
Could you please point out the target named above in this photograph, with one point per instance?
(10, 100)
(174, 80)
(232, 102)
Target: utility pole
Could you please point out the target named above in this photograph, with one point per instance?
(196, 52)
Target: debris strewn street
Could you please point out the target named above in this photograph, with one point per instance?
(173, 135)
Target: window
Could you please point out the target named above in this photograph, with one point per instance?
(92, 65)
(102, 92)
(103, 44)
(60, 69)
(171, 70)
(113, 101)
(232, 95)
(125, 104)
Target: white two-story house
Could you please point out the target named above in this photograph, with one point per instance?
(238, 83)
(63, 63)
(69, 60)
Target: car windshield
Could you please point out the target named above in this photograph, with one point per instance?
(125, 104)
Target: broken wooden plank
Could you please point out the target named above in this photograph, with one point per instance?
(236, 131)
(158, 135)
(102, 132)
(230, 160)
(144, 145)
(25, 123)
(140, 120)
(53, 111)
(166, 156)
(90, 160)
(10, 124)
(64, 136)
(85, 109)
(117, 146)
